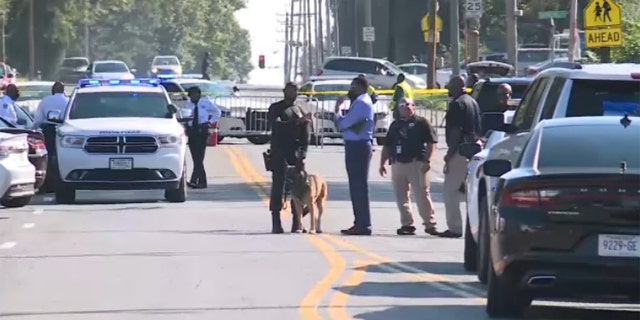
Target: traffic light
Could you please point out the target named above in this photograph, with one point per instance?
(261, 61)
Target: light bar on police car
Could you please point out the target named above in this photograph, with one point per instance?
(114, 82)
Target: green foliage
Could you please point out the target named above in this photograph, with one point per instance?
(136, 30)
(630, 50)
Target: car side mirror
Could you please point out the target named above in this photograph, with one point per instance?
(185, 114)
(492, 121)
(469, 149)
(133, 70)
(172, 108)
(54, 116)
(496, 167)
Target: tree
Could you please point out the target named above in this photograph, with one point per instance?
(630, 50)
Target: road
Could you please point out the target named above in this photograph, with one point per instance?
(128, 255)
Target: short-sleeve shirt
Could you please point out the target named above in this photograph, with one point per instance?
(463, 114)
(407, 139)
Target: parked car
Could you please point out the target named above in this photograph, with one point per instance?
(554, 63)
(73, 69)
(532, 56)
(35, 140)
(110, 69)
(31, 93)
(380, 73)
(564, 220)
(421, 69)
(594, 90)
(17, 175)
(161, 65)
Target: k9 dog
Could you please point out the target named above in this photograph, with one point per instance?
(307, 190)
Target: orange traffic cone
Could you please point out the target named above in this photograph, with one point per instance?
(214, 134)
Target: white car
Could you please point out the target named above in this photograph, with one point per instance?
(234, 109)
(380, 73)
(17, 174)
(110, 69)
(421, 69)
(31, 93)
(120, 135)
(321, 106)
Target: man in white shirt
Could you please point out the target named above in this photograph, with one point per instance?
(8, 108)
(205, 114)
(57, 101)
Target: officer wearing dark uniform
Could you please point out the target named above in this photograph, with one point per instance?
(410, 143)
(289, 143)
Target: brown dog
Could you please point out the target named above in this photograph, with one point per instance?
(307, 190)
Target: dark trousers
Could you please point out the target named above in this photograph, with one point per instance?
(279, 165)
(198, 148)
(358, 159)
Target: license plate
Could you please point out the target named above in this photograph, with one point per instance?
(611, 245)
(121, 163)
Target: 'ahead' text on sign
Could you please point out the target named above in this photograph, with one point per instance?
(603, 38)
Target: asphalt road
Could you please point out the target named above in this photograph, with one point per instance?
(129, 255)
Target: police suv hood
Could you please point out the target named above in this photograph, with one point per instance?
(114, 126)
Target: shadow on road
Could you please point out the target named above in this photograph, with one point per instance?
(379, 191)
(419, 290)
(436, 267)
(477, 312)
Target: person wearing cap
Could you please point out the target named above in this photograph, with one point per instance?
(205, 114)
(289, 143)
(371, 90)
(402, 90)
(410, 143)
(57, 101)
(357, 132)
(8, 109)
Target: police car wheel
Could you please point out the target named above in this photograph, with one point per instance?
(65, 195)
(259, 140)
(180, 194)
(15, 202)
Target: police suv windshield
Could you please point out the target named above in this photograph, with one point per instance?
(119, 105)
(207, 88)
(106, 67)
(604, 98)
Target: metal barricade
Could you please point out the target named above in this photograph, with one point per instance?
(245, 117)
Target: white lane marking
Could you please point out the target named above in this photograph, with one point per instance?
(28, 225)
(8, 245)
(38, 211)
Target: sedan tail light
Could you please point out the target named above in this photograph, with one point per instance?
(567, 196)
(36, 143)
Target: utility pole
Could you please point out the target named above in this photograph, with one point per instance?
(299, 26)
(367, 23)
(320, 32)
(432, 44)
(309, 44)
(3, 42)
(391, 39)
(454, 26)
(356, 32)
(32, 45)
(336, 10)
(327, 18)
(86, 29)
(512, 33)
(287, 49)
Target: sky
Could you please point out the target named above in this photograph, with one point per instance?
(264, 19)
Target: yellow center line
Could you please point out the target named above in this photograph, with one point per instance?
(308, 307)
(340, 299)
(411, 272)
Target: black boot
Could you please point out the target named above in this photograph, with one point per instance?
(276, 224)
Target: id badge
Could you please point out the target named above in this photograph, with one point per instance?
(398, 149)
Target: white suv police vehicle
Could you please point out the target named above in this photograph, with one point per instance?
(120, 135)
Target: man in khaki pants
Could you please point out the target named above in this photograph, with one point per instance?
(410, 143)
(462, 125)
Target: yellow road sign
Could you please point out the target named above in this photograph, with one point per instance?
(425, 23)
(603, 38)
(428, 36)
(602, 13)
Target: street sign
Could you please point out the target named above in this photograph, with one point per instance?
(602, 13)
(562, 14)
(345, 51)
(603, 38)
(473, 9)
(425, 23)
(368, 34)
(429, 35)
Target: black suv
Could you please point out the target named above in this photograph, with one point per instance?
(485, 91)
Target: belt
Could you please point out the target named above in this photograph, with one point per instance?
(406, 159)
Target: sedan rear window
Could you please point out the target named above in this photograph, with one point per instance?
(607, 146)
(604, 97)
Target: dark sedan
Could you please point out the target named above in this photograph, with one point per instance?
(37, 150)
(565, 219)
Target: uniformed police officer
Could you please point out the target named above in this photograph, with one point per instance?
(205, 114)
(410, 143)
(8, 109)
(289, 144)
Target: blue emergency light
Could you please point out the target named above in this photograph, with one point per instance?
(114, 82)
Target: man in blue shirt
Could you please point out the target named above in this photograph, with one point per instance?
(357, 131)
